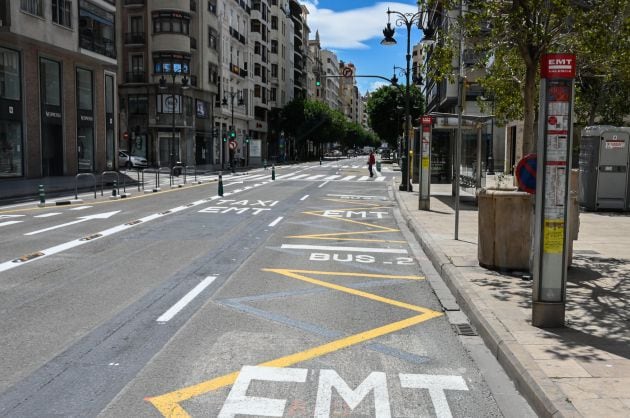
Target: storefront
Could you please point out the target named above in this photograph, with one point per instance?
(11, 137)
(51, 118)
(85, 121)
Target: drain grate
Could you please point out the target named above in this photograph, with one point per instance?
(464, 329)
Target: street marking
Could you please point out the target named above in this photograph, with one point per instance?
(318, 176)
(181, 304)
(380, 178)
(81, 208)
(348, 178)
(299, 176)
(274, 223)
(7, 223)
(363, 178)
(285, 175)
(47, 215)
(347, 274)
(348, 249)
(81, 219)
(322, 185)
(11, 216)
(332, 177)
(304, 197)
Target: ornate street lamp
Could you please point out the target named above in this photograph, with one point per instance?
(407, 20)
(163, 86)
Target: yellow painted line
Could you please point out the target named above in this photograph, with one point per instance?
(337, 235)
(169, 403)
(384, 228)
(350, 291)
(353, 202)
(349, 274)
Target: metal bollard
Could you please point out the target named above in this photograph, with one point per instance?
(320, 160)
(115, 189)
(273, 172)
(220, 185)
(42, 195)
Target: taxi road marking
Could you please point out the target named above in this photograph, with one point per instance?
(169, 403)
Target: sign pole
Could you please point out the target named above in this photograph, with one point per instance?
(424, 195)
(551, 234)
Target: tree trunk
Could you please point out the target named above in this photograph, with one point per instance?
(529, 101)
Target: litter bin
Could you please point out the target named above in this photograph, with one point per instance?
(177, 168)
(378, 166)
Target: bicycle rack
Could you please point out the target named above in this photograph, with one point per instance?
(194, 167)
(163, 170)
(181, 170)
(76, 183)
(103, 180)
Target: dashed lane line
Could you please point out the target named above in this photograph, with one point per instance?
(181, 304)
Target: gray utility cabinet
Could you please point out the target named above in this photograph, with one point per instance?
(604, 168)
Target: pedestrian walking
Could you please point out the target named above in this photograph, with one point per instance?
(371, 162)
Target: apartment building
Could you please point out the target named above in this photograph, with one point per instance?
(57, 87)
(330, 81)
(301, 33)
(316, 87)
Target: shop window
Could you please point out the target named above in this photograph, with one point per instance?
(51, 81)
(9, 74)
(84, 89)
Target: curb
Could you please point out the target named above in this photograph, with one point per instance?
(540, 391)
(60, 203)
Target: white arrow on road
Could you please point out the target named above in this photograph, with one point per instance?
(81, 219)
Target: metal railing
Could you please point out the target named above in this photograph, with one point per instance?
(76, 183)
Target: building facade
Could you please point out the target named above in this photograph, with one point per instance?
(58, 83)
(330, 81)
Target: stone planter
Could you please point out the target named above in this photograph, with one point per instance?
(505, 229)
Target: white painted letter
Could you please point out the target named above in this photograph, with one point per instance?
(379, 215)
(258, 210)
(329, 379)
(332, 213)
(238, 403)
(436, 384)
(365, 259)
(319, 257)
(362, 214)
(211, 209)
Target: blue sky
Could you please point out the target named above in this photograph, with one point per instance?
(353, 30)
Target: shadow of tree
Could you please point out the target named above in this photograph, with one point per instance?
(465, 202)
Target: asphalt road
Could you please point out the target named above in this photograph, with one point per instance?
(297, 297)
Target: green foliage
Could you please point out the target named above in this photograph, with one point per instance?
(386, 111)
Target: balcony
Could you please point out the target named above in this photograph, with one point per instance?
(136, 77)
(135, 38)
(133, 2)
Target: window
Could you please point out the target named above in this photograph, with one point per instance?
(136, 24)
(171, 22)
(213, 74)
(257, 90)
(9, 74)
(274, 22)
(212, 39)
(212, 6)
(273, 94)
(167, 103)
(62, 12)
(84, 89)
(32, 6)
(171, 63)
(274, 70)
(274, 46)
(50, 75)
(138, 105)
(97, 31)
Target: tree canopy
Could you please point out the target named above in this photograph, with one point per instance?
(386, 111)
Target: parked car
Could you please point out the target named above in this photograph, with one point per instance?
(131, 161)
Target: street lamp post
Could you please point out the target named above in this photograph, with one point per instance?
(407, 20)
(232, 95)
(185, 86)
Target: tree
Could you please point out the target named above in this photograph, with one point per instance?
(510, 36)
(387, 114)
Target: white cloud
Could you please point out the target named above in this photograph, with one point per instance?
(349, 29)
(377, 84)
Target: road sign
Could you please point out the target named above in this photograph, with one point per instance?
(347, 72)
(526, 173)
(232, 144)
(126, 135)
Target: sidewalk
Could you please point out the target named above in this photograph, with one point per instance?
(580, 370)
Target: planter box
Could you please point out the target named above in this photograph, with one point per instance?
(505, 229)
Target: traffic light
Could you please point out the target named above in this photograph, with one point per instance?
(224, 138)
(247, 140)
(318, 83)
(232, 134)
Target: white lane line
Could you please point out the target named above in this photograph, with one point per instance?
(285, 176)
(11, 216)
(80, 208)
(348, 178)
(332, 177)
(47, 215)
(81, 219)
(304, 197)
(318, 176)
(10, 223)
(298, 177)
(323, 184)
(349, 249)
(363, 178)
(278, 219)
(181, 304)
(381, 178)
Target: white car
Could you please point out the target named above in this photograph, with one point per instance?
(131, 161)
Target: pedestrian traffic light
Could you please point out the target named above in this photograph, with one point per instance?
(318, 83)
(247, 140)
(224, 138)
(232, 134)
